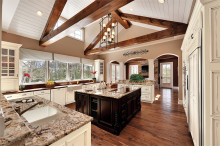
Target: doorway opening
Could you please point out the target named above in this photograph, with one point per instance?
(166, 71)
(115, 71)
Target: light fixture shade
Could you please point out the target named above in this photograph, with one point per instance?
(105, 33)
(108, 29)
(104, 25)
(161, 1)
(113, 24)
(113, 32)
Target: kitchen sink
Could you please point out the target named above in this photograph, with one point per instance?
(42, 115)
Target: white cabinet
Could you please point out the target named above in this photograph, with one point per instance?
(19, 95)
(99, 68)
(147, 92)
(59, 96)
(10, 66)
(79, 137)
(43, 94)
(70, 94)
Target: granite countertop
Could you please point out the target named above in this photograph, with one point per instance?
(116, 93)
(15, 127)
(48, 133)
(147, 82)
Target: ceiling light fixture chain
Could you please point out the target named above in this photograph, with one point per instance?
(109, 31)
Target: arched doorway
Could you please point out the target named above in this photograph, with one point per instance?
(166, 71)
(137, 66)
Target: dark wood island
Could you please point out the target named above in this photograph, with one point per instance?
(111, 109)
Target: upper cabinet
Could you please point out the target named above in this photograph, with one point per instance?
(99, 68)
(10, 66)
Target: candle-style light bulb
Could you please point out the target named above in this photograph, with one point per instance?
(108, 29)
(113, 36)
(109, 39)
(104, 25)
(105, 33)
(113, 32)
(113, 24)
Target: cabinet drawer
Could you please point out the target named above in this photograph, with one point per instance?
(41, 92)
(11, 96)
(26, 94)
(145, 89)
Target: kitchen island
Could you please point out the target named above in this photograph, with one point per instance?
(111, 109)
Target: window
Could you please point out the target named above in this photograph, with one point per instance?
(75, 71)
(78, 34)
(36, 69)
(115, 73)
(57, 70)
(133, 69)
(87, 69)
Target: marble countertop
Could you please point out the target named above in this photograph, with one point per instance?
(116, 93)
(45, 134)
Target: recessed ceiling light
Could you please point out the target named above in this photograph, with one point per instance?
(39, 13)
(131, 9)
(161, 1)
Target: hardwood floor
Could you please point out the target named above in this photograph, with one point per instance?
(162, 123)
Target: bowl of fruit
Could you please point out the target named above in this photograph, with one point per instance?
(50, 84)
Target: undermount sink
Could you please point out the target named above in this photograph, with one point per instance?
(42, 115)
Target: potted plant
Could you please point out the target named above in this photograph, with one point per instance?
(137, 78)
(25, 77)
(94, 79)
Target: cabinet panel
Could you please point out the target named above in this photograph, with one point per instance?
(59, 96)
(106, 111)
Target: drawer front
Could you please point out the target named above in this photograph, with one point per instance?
(11, 96)
(26, 94)
(41, 92)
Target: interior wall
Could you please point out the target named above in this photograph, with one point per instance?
(156, 50)
(175, 69)
(66, 46)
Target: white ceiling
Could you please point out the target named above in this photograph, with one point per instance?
(72, 7)
(173, 10)
(19, 16)
(25, 21)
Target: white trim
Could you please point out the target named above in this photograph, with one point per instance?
(180, 102)
(176, 87)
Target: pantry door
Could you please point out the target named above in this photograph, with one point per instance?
(166, 74)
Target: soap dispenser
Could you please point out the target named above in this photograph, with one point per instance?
(2, 123)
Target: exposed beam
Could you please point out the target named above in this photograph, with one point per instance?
(145, 38)
(150, 21)
(54, 16)
(116, 15)
(94, 11)
(98, 38)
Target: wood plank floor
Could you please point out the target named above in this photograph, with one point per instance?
(162, 123)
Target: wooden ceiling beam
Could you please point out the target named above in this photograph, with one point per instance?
(54, 16)
(94, 11)
(116, 15)
(171, 32)
(150, 21)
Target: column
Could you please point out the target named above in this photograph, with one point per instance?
(122, 71)
(151, 69)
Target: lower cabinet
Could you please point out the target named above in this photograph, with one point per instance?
(59, 96)
(79, 137)
(43, 94)
(82, 103)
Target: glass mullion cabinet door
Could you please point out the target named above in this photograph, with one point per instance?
(8, 63)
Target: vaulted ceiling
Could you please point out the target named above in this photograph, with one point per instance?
(19, 16)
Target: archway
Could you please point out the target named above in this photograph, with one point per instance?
(137, 65)
(166, 71)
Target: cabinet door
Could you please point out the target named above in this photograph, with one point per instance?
(59, 96)
(106, 111)
(82, 103)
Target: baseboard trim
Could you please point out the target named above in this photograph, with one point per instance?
(180, 102)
